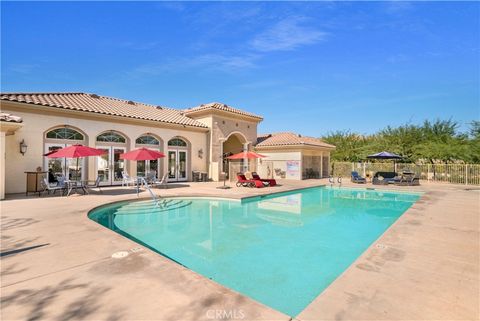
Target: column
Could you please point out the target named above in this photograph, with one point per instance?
(216, 164)
(245, 160)
(92, 161)
(321, 164)
(2, 165)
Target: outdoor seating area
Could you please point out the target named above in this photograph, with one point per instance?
(255, 181)
(385, 178)
(65, 187)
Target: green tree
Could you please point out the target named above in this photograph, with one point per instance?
(433, 142)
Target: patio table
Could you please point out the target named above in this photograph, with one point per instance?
(74, 185)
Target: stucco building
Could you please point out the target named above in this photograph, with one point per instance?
(193, 139)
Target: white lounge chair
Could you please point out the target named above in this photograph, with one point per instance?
(151, 177)
(96, 185)
(127, 179)
(163, 182)
(47, 187)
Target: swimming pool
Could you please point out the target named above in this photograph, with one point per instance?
(282, 250)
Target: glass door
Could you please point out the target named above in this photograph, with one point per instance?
(172, 165)
(103, 166)
(182, 165)
(118, 164)
(63, 167)
(56, 166)
(145, 167)
(177, 165)
(110, 166)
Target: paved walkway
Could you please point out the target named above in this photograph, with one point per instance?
(56, 264)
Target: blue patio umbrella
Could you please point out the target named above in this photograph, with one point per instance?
(386, 155)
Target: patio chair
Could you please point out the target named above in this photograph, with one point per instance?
(271, 182)
(47, 187)
(61, 181)
(127, 179)
(243, 181)
(151, 177)
(356, 178)
(408, 180)
(96, 184)
(161, 183)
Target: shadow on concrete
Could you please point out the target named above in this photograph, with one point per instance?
(12, 269)
(171, 186)
(116, 191)
(49, 302)
(20, 250)
(9, 223)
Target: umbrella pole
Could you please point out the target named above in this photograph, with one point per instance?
(77, 168)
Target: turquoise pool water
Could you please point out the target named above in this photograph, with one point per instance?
(281, 250)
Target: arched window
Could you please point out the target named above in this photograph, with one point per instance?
(64, 133)
(177, 142)
(147, 140)
(111, 137)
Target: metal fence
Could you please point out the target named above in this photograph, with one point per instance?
(468, 174)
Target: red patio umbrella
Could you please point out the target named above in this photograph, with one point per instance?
(246, 155)
(142, 154)
(243, 155)
(75, 151)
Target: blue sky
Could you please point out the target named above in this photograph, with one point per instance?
(306, 67)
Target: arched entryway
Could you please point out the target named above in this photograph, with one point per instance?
(235, 143)
(109, 165)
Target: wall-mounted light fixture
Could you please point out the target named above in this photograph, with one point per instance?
(23, 147)
(200, 153)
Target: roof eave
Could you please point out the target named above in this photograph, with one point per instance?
(304, 146)
(98, 114)
(210, 110)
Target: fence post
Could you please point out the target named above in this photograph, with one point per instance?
(428, 172)
(466, 174)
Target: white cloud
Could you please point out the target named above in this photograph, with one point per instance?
(23, 68)
(397, 6)
(397, 58)
(205, 62)
(288, 34)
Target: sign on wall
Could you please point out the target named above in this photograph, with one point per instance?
(293, 168)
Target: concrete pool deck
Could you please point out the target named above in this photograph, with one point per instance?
(57, 264)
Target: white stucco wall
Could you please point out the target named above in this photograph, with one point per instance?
(277, 162)
(36, 123)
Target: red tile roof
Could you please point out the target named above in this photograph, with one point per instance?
(289, 139)
(93, 103)
(222, 107)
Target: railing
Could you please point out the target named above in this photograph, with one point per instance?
(468, 174)
(155, 198)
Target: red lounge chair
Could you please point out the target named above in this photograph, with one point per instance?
(271, 182)
(243, 181)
